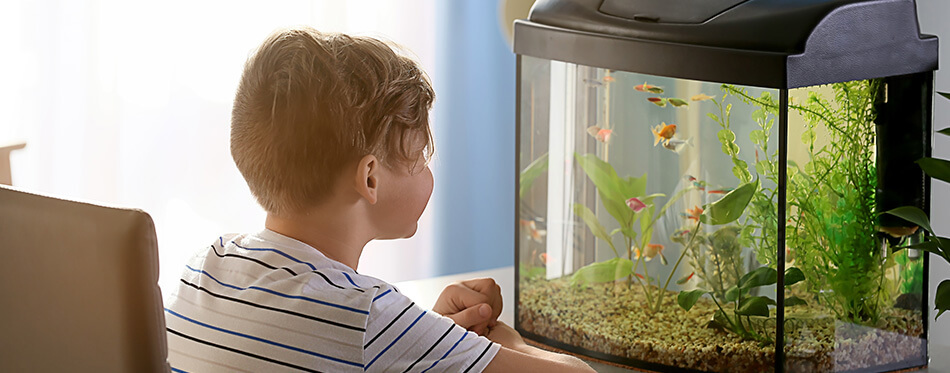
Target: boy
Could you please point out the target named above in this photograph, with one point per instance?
(331, 133)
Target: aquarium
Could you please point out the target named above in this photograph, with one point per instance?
(702, 188)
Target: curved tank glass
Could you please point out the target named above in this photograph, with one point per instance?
(649, 202)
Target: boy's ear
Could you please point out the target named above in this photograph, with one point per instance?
(367, 177)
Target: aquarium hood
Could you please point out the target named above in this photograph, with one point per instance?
(766, 43)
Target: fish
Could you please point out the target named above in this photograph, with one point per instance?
(635, 204)
(651, 251)
(602, 135)
(678, 145)
(685, 278)
(694, 213)
(898, 232)
(663, 132)
(720, 191)
(543, 257)
(532, 230)
(599, 82)
(677, 102)
(702, 97)
(657, 101)
(648, 88)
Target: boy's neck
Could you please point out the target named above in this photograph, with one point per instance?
(330, 231)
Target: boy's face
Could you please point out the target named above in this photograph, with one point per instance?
(405, 196)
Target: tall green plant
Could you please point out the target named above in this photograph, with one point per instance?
(831, 207)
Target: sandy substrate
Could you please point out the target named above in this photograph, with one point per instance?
(613, 319)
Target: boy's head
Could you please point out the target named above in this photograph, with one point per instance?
(310, 103)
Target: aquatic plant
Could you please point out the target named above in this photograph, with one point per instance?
(626, 201)
(910, 273)
(830, 200)
(724, 211)
(716, 258)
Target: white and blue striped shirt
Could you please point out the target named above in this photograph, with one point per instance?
(266, 303)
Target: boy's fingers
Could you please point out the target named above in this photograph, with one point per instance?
(490, 289)
(472, 317)
(458, 297)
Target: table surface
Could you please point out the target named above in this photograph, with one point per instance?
(426, 291)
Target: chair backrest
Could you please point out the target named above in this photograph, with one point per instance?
(78, 287)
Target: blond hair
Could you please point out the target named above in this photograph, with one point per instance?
(310, 102)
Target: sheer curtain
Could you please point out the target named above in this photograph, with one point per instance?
(128, 103)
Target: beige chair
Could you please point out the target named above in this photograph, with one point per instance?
(78, 287)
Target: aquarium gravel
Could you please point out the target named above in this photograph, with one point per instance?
(621, 325)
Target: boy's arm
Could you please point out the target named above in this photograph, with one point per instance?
(516, 356)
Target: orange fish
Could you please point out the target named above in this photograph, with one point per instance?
(602, 135)
(608, 79)
(543, 257)
(648, 88)
(532, 230)
(652, 251)
(694, 213)
(720, 191)
(685, 278)
(663, 132)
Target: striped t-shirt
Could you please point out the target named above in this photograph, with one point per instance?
(267, 303)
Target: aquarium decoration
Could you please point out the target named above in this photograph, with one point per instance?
(732, 185)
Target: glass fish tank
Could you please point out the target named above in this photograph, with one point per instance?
(702, 185)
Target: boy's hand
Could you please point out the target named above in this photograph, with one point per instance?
(473, 304)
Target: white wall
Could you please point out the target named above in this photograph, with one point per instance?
(933, 16)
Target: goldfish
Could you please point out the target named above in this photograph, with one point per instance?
(677, 102)
(694, 213)
(702, 97)
(651, 251)
(648, 88)
(677, 145)
(532, 230)
(657, 101)
(609, 79)
(685, 278)
(602, 135)
(663, 132)
(635, 204)
(543, 257)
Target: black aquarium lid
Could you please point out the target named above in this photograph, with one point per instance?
(767, 43)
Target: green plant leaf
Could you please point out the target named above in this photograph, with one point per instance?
(530, 173)
(732, 294)
(687, 299)
(606, 271)
(793, 276)
(913, 215)
(730, 207)
(759, 277)
(936, 168)
(591, 220)
(945, 131)
(602, 174)
(754, 306)
(944, 94)
(794, 301)
(942, 299)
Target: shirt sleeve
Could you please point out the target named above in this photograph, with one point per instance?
(401, 336)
